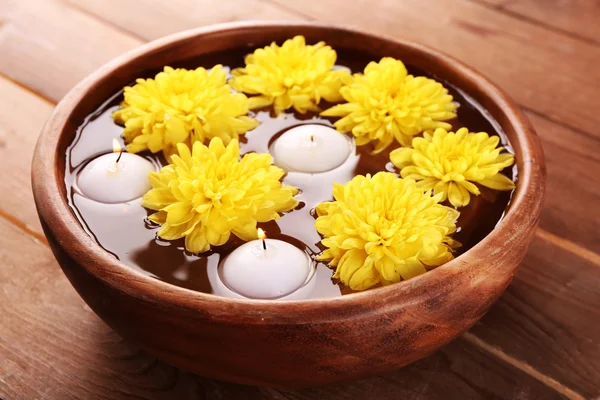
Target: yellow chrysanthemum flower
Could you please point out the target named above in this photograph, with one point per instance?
(293, 75)
(451, 164)
(383, 229)
(182, 106)
(209, 193)
(386, 103)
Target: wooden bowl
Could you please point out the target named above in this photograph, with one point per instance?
(298, 343)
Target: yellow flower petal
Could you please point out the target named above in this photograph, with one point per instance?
(498, 182)
(364, 278)
(458, 195)
(411, 268)
(401, 157)
(178, 213)
(255, 102)
(196, 241)
(350, 262)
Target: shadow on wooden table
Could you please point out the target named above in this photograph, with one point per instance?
(460, 370)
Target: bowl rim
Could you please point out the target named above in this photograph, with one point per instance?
(58, 219)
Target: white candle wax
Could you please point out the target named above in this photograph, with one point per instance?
(253, 272)
(107, 181)
(311, 148)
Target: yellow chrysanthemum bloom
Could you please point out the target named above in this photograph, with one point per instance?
(293, 75)
(383, 229)
(209, 193)
(182, 106)
(453, 164)
(386, 103)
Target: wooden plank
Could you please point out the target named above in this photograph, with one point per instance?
(548, 317)
(513, 53)
(436, 377)
(48, 46)
(575, 17)
(50, 56)
(53, 346)
(579, 149)
(21, 117)
(573, 187)
(165, 17)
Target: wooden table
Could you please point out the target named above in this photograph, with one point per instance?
(541, 340)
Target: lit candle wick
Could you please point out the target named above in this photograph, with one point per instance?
(262, 236)
(117, 149)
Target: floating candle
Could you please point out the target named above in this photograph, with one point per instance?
(115, 178)
(266, 269)
(311, 148)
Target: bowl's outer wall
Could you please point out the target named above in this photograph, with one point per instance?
(297, 343)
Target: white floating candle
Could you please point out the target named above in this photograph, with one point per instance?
(115, 178)
(311, 148)
(266, 269)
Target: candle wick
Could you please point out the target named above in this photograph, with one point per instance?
(264, 244)
(120, 154)
(312, 138)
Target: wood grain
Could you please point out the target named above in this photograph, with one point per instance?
(163, 18)
(573, 189)
(49, 55)
(55, 347)
(577, 18)
(549, 317)
(33, 41)
(32, 36)
(21, 119)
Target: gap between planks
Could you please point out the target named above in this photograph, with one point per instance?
(565, 125)
(28, 90)
(104, 21)
(501, 8)
(28, 230)
(524, 367)
(290, 10)
(569, 246)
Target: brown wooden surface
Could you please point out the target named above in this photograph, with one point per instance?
(541, 340)
(297, 344)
